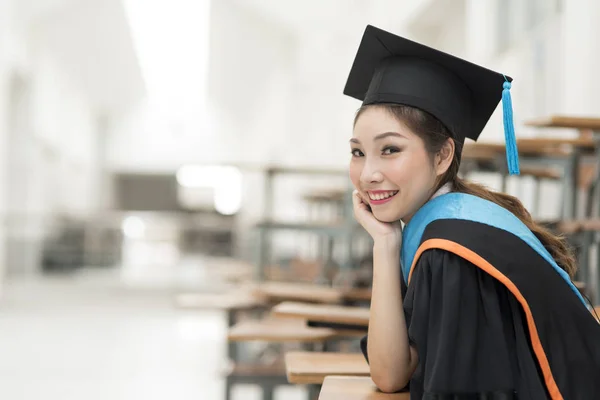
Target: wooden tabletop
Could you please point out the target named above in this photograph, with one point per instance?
(360, 294)
(220, 301)
(355, 388)
(333, 226)
(578, 225)
(482, 151)
(274, 291)
(563, 121)
(227, 269)
(278, 330)
(331, 195)
(581, 142)
(323, 313)
(538, 146)
(282, 169)
(311, 368)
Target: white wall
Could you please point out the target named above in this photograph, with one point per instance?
(275, 85)
(48, 142)
(581, 57)
(5, 13)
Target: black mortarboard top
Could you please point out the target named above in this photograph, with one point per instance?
(462, 95)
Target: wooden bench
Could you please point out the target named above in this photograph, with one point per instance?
(330, 314)
(277, 291)
(308, 292)
(355, 388)
(218, 301)
(311, 368)
(270, 330)
(250, 371)
(278, 330)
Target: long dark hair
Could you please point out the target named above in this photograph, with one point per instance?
(435, 134)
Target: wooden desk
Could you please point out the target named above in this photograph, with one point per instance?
(307, 292)
(311, 368)
(355, 388)
(277, 291)
(563, 121)
(326, 196)
(323, 313)
(326, 228)
(218, 301)
(584, 143)
(357, 294)
(278, 330)
(537, 146)
(482, 151)
(541, 150)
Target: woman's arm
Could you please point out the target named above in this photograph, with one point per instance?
(391, 359)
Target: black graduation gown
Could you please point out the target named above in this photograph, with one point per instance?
(523, 334)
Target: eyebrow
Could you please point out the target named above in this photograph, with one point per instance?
(381, 136)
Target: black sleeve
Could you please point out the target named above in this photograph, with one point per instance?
(363, 347)
(469, 334)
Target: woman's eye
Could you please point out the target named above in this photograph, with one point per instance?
(390, 150)
(356, 153)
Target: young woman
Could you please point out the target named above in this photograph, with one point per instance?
(483, 306)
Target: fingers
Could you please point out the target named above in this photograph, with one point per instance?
(357, 200)
(359, 196)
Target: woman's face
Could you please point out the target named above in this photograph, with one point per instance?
(390, 167)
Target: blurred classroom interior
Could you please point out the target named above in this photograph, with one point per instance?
(174, 187)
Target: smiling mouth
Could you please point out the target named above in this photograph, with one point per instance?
(381, 197)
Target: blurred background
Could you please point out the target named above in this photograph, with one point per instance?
(151, 148)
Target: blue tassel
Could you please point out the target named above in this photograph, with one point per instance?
(512, 153)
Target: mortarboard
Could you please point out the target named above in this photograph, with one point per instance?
(462, 95)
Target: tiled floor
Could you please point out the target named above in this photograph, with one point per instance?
(89, 337)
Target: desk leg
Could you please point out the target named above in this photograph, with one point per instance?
(263, 235)
(263, 253)
(231, 345)
(586, 239)
(594, 190)
(313, 392)
(326, 254)
(570, 185)
(575, 159)
(268, 391)
(231, 355)
(503, 183)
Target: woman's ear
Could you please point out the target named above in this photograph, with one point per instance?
(444, 157)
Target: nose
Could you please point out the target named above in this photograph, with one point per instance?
(370, 174)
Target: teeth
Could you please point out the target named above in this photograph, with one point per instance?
(381, 196)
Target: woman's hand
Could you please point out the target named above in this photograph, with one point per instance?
(384, 232)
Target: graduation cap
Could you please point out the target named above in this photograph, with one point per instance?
(462, 95)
